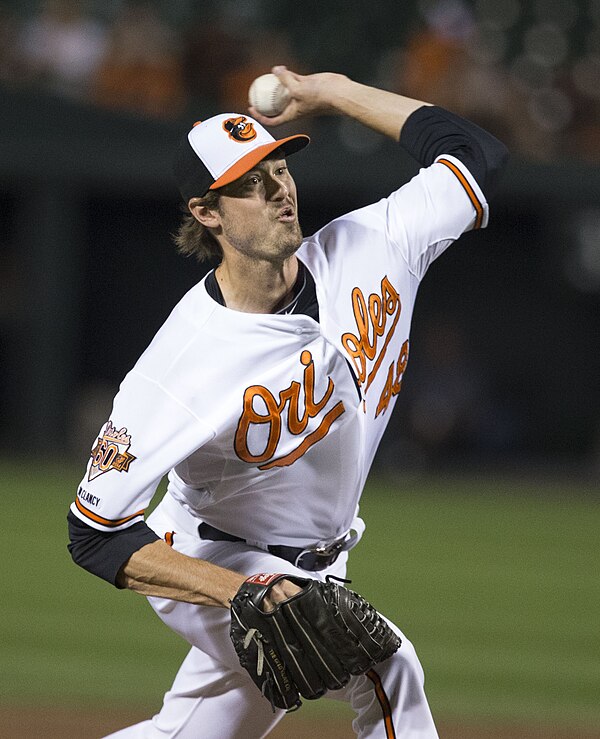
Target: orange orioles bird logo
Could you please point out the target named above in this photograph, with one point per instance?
(240, 129)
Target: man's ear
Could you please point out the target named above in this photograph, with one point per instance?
(208, 217)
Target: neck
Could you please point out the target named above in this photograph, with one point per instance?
(257, 287)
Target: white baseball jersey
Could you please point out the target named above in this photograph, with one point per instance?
(267, 424)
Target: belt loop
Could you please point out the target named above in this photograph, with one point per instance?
(355, 533)
(258, 545)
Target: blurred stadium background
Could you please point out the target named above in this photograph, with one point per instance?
(491, 465)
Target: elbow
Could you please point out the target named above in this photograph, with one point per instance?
(76, 544)
(496, 160)
(82, 541)
(500, 158)
(71, 546)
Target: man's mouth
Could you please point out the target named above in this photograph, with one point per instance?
(287, 215)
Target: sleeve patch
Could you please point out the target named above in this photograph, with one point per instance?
(111, 452)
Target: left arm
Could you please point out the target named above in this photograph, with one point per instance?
(423, 130)
(328, 93)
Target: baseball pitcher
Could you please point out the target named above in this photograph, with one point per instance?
(263, 397)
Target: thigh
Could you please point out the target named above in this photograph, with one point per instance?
(208, 701)
(204, 627)
(389, 700)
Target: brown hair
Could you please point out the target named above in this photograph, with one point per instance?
(192, 239)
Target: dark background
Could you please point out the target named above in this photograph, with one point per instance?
(505, 354)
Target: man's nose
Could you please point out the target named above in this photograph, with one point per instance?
(278, 189)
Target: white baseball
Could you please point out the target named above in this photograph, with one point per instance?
(268, 95)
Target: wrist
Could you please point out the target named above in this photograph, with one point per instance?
(342, 92)
(383, 111)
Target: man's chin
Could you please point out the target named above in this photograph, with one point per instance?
(295, 246)
(293, 239)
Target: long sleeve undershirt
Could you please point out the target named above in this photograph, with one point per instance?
(432, 131)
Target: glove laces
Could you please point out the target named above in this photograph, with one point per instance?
(255, 635)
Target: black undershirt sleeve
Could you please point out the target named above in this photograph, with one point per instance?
(104, 553)
(432, 131)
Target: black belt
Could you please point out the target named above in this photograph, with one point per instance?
(314, 560)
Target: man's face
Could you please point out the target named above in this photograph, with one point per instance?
(259, 212)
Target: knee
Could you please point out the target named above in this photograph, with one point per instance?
(408, 653)
(403, 666)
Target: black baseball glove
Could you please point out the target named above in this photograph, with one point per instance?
(310, 643)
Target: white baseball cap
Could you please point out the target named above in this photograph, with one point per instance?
(220, 149)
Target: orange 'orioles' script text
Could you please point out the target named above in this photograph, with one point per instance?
(373, 323)
(297, 419)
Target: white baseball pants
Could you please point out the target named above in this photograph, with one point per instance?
(212, 697)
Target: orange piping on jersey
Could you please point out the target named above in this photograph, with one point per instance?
(384, 703)
(105, 521)
(468, 189)
(169, 537)
(310, 440)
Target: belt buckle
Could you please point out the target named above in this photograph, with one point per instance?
(316, 559)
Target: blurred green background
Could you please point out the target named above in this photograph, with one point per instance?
(495, 581)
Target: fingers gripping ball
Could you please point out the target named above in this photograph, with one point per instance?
(268, 95)
(310, 643)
